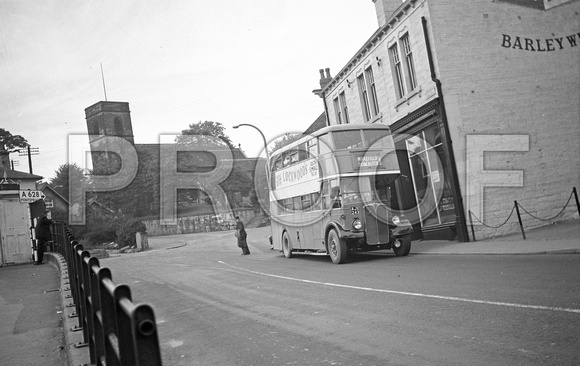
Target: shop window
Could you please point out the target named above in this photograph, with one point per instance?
(430, 177)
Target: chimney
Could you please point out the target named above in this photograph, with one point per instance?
(385, 8)
(324, 79)
(5, 159)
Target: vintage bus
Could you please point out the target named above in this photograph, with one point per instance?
(330, 194)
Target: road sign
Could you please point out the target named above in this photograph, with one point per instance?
(30, 196)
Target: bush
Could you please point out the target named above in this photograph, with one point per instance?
(126, 231)
(96, 238)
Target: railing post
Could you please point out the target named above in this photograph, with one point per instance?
(121, 294)
(145, 336)
(91, 299)
(576, 198)
(520, 219)
(83, 289)
(98, 337)
(471, 223)
(107, 289)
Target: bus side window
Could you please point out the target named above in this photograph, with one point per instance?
(288, 205)
(316, 201)
(335, 197)
(285, 159)
(297, 206)
(325, 195)
(278, 163)
(312, 148)
(306, 206)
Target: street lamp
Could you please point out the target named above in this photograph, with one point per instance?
(267, 166)
(265, 148)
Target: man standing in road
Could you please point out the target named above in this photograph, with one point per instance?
(43, 235)
(242, 235)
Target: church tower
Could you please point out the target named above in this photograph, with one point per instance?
(109, 119)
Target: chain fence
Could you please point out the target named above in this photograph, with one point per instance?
(516, 208)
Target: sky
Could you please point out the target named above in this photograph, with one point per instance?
(175, 63)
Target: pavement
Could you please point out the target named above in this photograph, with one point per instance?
(35, 322)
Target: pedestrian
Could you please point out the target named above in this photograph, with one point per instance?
(242, 235)
(43, 235)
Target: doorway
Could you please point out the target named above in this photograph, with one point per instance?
(15, 242)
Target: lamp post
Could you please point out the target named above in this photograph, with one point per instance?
(265, 148)
(267, 166)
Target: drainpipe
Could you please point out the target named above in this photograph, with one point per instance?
(462, 234)
(323, 96)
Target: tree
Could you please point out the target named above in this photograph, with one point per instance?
(237, 182)
(141, 197)
(10, 142)
(207, 128)
(65, 175)
(285, 140)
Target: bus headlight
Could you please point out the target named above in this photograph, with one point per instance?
(400, 220)
(357, 224)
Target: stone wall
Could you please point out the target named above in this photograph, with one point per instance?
(199, 223)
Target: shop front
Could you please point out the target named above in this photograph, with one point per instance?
(426, 191)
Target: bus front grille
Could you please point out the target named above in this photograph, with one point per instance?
(377, 230)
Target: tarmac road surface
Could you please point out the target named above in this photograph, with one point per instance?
(215, 307)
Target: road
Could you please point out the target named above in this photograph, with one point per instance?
(216, 307)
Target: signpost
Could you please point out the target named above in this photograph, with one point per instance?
(30, 196)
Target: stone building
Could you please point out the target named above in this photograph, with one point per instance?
(169, 175)
(483, 99)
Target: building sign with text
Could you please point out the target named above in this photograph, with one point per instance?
(30, 196)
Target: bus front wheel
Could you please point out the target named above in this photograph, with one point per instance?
(336, 247)
(402, 246)
(286, 246)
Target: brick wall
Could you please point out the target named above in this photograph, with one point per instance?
(492, 85)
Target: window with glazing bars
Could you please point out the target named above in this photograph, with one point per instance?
(397, 71)
(372, 91)
(342, 99)
(364, 97)
(337, 111)
(410, 67)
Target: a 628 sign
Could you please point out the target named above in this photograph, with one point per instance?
(30, 196)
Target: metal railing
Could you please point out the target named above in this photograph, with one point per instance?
(117, 331)
(516, 208)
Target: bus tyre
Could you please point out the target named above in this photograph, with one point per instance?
(402, 246)
(286, 245)
(336, 247)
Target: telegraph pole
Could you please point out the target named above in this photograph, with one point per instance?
(29, 151)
